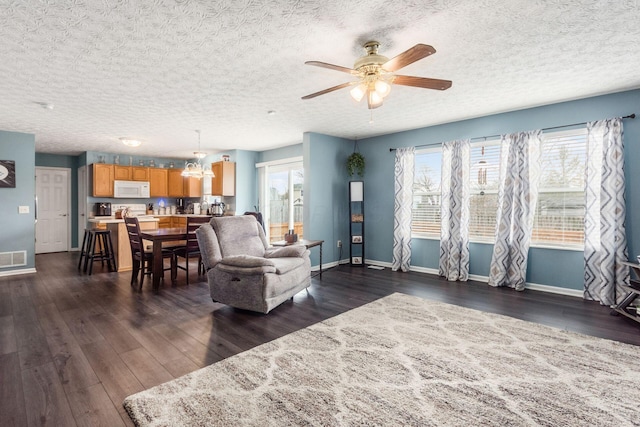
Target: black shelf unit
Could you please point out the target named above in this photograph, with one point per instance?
(633, 293)
(356, 223)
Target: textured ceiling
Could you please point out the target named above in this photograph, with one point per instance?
(157, 70)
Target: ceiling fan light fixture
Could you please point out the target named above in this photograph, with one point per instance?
(383, 88)
(357, 93)
(374, 99)
(376, 74)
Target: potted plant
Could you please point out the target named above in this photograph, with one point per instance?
(355, 164)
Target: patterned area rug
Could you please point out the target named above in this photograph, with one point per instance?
(403, 360)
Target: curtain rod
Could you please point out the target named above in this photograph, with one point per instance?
(630, 116)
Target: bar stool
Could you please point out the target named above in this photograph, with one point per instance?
(84, 251)
(104, 252)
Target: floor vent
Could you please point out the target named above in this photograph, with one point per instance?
(13, 259)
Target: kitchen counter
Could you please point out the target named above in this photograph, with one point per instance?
(113, 220)
(180, 215)
(120, 236)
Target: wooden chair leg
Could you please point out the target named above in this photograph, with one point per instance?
(83, 250)
(144, 265)
(186, 266)
(135, 271)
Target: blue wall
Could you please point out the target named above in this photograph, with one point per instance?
(546, 266)
(326, 193)
(246, 181)
(18, 230)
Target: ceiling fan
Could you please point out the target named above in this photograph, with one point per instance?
(375, 74)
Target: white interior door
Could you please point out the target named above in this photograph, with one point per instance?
(52, 226)
(82, 203)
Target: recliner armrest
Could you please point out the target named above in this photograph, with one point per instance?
(285, 251)
(246, 265)
(246, 261)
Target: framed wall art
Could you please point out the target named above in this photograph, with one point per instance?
(7, 174)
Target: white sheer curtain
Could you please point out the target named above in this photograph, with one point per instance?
(454, 223)
(403, 178)
(517, 198)
(605, 243)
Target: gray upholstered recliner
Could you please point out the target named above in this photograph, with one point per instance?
(243, 271)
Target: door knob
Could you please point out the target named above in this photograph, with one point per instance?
(63, 215)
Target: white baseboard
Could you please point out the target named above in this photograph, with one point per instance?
(17, 272)
(328, 265)
(533, 286)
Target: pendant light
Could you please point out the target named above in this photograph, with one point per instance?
(195, 169)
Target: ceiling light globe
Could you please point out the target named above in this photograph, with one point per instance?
(383, 88)
(358, 92)
(375, 100)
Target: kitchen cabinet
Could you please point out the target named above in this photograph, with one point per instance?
(224, 181)
(122, 173)
(179, 186)
(139, 173)
(164, 221)
(130, 173)
(175, 183)
(158, 182)
(178, 221)
(102, 180)
(192, 187)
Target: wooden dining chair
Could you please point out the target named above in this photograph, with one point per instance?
(141, 256)
(190, 249)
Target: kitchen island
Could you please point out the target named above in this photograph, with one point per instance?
(120, 237)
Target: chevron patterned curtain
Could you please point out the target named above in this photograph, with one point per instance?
(605, 240)
(454, 222)
(517, 198)
(403, 177)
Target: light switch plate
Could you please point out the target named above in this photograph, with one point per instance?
(23, 209)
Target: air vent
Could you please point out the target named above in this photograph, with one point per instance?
(13, 259)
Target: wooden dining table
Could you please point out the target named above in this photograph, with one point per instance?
(158, 237)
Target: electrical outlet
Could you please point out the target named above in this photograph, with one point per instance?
(339, 243)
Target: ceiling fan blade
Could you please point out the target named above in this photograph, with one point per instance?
(422, 82)
(331, 67)
(409, 56)
(331, 89)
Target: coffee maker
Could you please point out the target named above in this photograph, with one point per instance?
(180, 206)
(102, 209)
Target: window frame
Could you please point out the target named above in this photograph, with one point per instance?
(428, 150)
(264, 168)
(493, 142)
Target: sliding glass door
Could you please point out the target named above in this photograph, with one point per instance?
(282, 199)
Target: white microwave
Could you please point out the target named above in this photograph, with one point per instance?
(131, 189)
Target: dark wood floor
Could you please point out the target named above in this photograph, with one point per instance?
(73, 346)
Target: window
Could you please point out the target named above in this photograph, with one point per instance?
(559, 216)
(425, 218)
(281, 197)
(483, 189)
